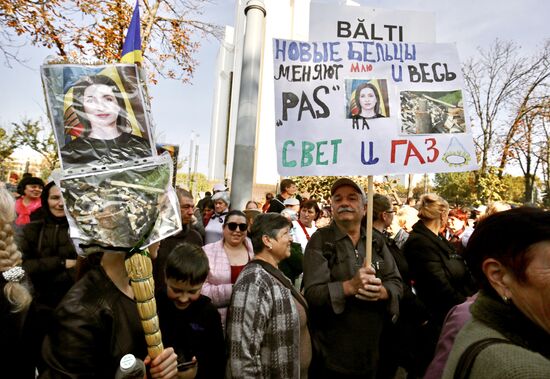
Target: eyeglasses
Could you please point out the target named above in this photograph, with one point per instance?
(233, 226)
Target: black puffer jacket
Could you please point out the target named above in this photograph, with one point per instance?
(45, 246)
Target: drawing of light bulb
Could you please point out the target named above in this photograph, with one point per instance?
(456, 155)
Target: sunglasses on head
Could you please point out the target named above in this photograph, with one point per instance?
(233, 226)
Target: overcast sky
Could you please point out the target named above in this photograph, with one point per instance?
(178, 109)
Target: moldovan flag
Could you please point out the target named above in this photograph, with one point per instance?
(131, 50)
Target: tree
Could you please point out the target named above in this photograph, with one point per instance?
(533, 95)
(97, 28)
(515, 189)
(502, 84)
(491, 187)
(457, 188)
(318, 187)
(8, 143)
(200, 182)
(523, 150)
(544, 152)
(423, 186)
(39, 138)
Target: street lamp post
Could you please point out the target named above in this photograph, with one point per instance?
(247, 114)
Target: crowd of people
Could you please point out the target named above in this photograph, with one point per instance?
(284, 289)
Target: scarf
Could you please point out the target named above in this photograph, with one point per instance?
(219, 216)
(510, 322)
(24, 211)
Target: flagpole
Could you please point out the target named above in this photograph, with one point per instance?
(139, 265)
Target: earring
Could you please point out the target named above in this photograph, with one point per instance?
(270, 247)
(506, 299)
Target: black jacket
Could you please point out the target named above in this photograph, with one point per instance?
(19, 350)
(410, 306)
(276, 204)
(194, 332)
(95, 325)
(45, 246)
(440, 275)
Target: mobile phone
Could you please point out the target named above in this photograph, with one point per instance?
(186, 365)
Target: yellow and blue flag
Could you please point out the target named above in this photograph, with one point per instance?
(131, 50)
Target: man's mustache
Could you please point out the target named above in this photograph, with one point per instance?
(346, 209)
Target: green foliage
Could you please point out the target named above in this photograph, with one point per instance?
(515, 188)
(41, 139)
(422, 187)
(199, 182)
(34, 135)
(8, 143)
(318, 187)
(546, 198)
(453, 97)
(457, 188)
(491, 186)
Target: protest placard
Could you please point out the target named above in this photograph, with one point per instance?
(369, 108)
(337, 23)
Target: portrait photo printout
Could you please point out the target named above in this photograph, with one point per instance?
(98, 114)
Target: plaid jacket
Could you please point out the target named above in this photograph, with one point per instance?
(263, 328)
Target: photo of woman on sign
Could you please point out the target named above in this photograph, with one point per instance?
(366, 95)
(366, 99)
(100, 116)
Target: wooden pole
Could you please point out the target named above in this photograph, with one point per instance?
(368, 254)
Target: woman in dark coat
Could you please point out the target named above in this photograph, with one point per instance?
(441, 277)
(48, 259)
(48, 253)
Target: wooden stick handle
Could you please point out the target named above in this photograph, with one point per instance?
(368, 253)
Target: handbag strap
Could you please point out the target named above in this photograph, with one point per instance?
(283, 279)
(468, 357)
(304, 229)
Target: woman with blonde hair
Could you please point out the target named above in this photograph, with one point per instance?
(15, 298)
(441, 278)
(495, 207)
